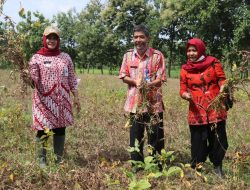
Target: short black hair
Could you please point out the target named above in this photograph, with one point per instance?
(141, 28)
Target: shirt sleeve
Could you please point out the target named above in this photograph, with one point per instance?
(34, 70)
(124, 71)
(73, 84)
(183, 81)
(221, 77)
(161, 70)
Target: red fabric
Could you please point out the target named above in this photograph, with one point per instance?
(49, 52)
(204, 63)
(204, 86)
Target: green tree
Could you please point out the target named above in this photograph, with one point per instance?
(32, 30)
(172, 15)
(67, 24)
(242, 27)
(219, 23)
(90, 36)
(121, 15)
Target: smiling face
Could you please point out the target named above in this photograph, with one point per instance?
(140, 41)
(51, 41)
(192, 53)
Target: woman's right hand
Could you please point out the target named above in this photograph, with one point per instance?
(25, 75)
(187, 96)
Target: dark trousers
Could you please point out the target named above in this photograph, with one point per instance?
(208, 141)
(56, 131)
(58, 143)
(154, 126)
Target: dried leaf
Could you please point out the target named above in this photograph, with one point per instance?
(11, 177)
(127, 125)
(77, 186)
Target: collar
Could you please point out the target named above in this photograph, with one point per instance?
(148, 52)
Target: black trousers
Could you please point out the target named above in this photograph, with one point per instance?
(58, 132)
(154, 126)
(208, 141)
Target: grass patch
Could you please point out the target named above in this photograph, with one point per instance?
(96, 146)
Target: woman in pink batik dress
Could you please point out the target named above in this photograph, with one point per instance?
(53, 76)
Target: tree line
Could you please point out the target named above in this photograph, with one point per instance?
(98, 35)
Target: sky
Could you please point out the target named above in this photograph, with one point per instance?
(47, 7)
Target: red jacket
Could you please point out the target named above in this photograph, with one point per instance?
(204, 87)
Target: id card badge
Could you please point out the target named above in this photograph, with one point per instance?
(66, 72)
(47, 63)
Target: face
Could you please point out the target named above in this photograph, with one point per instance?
(140, 41)
(51, 41)
(192, 53)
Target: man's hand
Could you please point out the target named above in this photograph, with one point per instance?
(138, 83)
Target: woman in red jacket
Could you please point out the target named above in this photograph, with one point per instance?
(201, 80)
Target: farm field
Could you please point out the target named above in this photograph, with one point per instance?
(96, 150)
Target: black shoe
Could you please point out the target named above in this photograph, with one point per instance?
(218, 171)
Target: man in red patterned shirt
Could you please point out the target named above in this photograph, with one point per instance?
(143, 69)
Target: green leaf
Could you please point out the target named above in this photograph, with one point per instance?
(172, 158)
(166, 154)
(169, 153)
(148, 159)
(129, 174)
(21, 13)
(137, 143)
(131, 149)
(37, 24)
(149, 166)
(135, 148)
(136, 163)
(154, 175)
(139, 185)
(174, 170)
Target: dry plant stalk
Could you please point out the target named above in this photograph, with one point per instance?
(236, 82)
(11, 50)
(144, 103)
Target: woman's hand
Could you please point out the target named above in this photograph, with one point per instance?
(76, 101)
(25, 75)
(76, 104)
(187, 96)
(222, 88)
